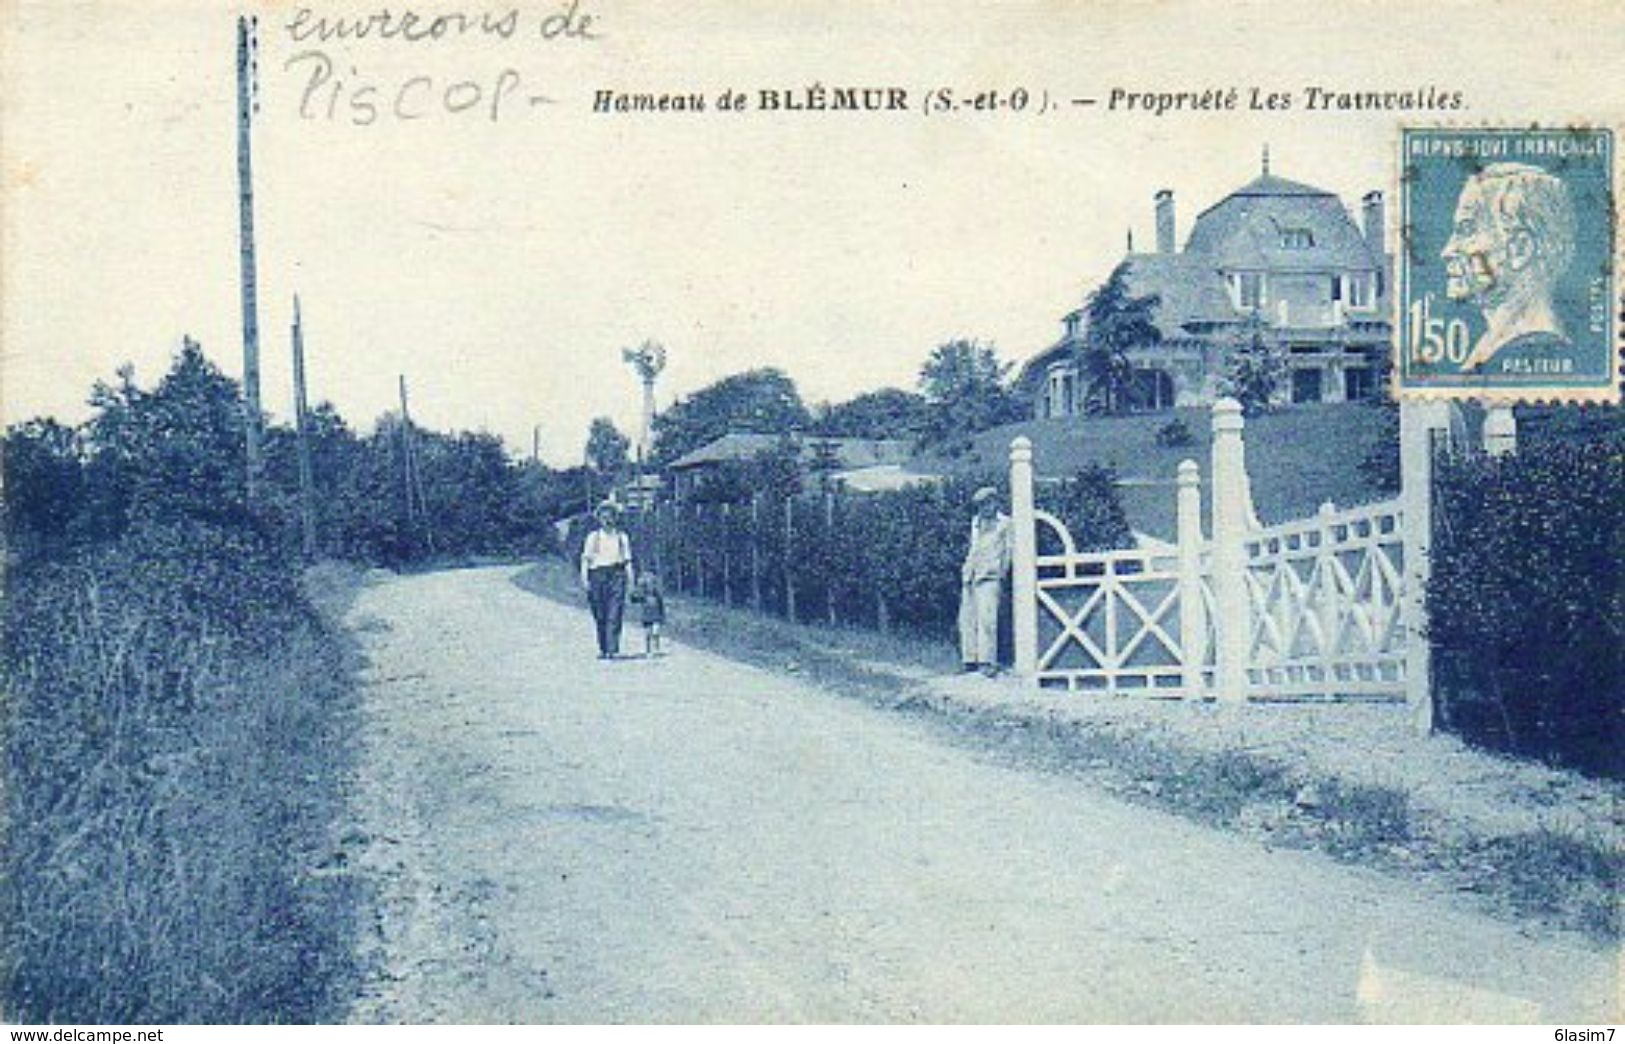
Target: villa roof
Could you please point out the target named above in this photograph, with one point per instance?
(1244, 230)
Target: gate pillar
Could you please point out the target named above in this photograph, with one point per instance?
(1421, 424)
(1500, 431)
(1232, 518)
(1023, 558)
(1192, 612)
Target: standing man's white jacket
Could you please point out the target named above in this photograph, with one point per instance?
(982, 580)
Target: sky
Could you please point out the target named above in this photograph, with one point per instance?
(502, 265)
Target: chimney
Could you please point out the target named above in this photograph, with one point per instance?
(1165, 221)
(1371, 213)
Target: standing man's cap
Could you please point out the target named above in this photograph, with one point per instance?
(985, 493)
(608, 507)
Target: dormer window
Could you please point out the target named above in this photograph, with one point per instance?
(1071, 324)
(1297, 238)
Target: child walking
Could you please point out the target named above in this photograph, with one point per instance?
(653, 603)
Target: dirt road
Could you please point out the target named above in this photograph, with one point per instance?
(557, 838)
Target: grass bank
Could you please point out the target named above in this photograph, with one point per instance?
(177, 740)
(1349, 780)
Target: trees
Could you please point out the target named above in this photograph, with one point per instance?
(607, 448)
(1115, 321)
(1255, 371)
(762, 400)
(965, 390)
(43, 484)
(890, 413)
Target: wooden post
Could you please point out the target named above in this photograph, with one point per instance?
(247, 86)
(727, 572)
(695, 557)
(301, 415)
(1024, 558)
(789, 548)
(1328, 598)
(1192, 611)
(756, 551)
(1418, 423)
(829, 547)
(1231, 521)
(414, 474)
(406, 458)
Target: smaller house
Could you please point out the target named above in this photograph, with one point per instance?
(859, 463)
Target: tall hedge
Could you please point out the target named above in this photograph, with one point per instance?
(885, 560)
(1526, 608)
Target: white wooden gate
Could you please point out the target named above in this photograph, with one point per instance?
(1322, 607)
(1326, 605)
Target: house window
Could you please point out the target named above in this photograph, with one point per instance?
(1305, 385)
(1357, 384)
(1297, 238)
(1248, 289)
(1153, 390)
(1359, 290)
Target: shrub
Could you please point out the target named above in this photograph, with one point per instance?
(175, 742)
(1526, 607)
(1176, 434)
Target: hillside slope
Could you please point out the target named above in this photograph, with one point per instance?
(1298, 457)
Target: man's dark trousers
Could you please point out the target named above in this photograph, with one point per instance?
(606, 594)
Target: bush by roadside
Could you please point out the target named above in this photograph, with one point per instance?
(174, 734)
(1526, 606)
(176, 738)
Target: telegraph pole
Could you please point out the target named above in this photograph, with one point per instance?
(247, 104)
(417, 504)
(406, 456)
(301, 413)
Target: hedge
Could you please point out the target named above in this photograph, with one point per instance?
(1526, 606)
(881, 560)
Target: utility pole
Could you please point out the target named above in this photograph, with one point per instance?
(301, 414)
(417, 505)
(536, 444)
(247, 105)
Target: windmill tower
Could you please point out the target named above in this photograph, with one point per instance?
(647, 360)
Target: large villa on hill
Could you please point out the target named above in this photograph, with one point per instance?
(1276, 255)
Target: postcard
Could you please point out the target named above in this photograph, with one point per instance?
(741, 511)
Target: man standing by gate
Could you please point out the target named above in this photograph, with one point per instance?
(982, 582)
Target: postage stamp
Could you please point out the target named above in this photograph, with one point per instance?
(1507, 269)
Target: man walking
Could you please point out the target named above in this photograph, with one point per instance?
(982, 583)
(606, 573)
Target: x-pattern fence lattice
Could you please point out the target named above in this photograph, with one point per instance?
(1108, 621)
(1326, 596)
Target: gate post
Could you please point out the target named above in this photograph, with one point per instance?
(1024, 558)
(1192, 613)
(1232, 517)
(1500, 431)
(1418, 421)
